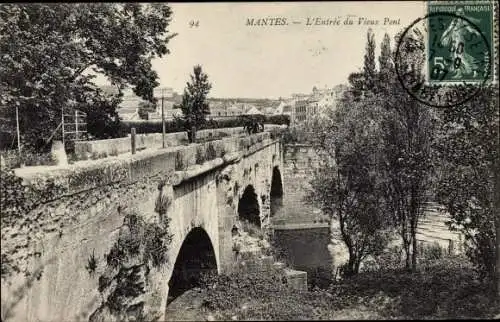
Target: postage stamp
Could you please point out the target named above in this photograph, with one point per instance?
(444, 58)
(460, 41)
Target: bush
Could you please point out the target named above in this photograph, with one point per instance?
(28, 158)
(200, 155)
(179, 161)
(13, 197)
(390, 259)
(210, 153)
(432, 251)
(445, 288)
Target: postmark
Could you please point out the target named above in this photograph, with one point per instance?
(444, 58)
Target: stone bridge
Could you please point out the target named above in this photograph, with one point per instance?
(154, 219)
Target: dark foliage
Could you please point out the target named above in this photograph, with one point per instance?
(177, 125)
(55, 44)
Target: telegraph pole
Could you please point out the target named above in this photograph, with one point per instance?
(18, 132)
(162, 119)
(62, 123)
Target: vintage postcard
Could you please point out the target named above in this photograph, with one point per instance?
(222, 161)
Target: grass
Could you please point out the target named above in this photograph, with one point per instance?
(445, 288)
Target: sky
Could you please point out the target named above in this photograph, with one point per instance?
(274, 61)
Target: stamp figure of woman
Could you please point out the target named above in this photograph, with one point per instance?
(454, 37)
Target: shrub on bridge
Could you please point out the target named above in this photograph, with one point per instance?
(210, 153)
(18, 200)
(200, 155)
(179, 161)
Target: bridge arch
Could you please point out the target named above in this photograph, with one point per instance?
(196, 256)
(276, 194)
(248, 207)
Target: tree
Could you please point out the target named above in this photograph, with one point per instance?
(348, 186)
(385, 59)
(369, 68)
(103, 122)
(194, 104)
(145, 108)
(467, 146)
(50, 50)
(408, 133)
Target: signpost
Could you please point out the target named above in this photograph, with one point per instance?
(162, 119)
(18, 132)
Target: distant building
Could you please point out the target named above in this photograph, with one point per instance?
(305, 107)
(286, 107)
(235, 110)
(253, 111)
(269, 110)
(128, 108)
(300, 110)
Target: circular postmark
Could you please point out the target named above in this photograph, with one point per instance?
(443, 59)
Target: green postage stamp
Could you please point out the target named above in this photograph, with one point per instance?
(461, 45)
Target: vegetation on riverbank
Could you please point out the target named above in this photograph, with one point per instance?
(442, 288)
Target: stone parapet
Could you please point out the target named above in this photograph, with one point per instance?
(112, 147)
(90, 174)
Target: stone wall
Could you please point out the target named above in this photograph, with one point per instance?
(83, 215)
(299, 162)
(306, 249)
(112, 147)
(103, 148)
(328, 252)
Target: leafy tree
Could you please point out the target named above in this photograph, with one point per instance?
(369, 68)
(408, 132)
(103, 121)
(194, 104)
(386, 147)
(385, 59)
(467, 146)
(49, 50)
(348, 187)
(145, 108)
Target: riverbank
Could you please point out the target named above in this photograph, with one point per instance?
(447, 288)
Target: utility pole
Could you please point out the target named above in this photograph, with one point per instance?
(18, 132)
(76, 125)
(162, 119)
(62, 124)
